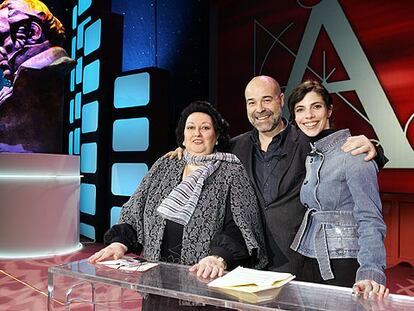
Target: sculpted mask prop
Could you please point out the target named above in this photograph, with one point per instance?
(27, 29)
(33, 63)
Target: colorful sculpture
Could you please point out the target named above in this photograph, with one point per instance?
(33, 62)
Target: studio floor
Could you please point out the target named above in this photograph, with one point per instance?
(23, 284)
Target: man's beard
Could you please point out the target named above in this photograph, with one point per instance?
(265, 128)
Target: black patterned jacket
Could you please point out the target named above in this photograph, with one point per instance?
(229, 185)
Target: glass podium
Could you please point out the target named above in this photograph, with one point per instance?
(172, 280)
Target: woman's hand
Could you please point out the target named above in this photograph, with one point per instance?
(370, 289)
(177, 153)
(112, 251)
(209, 267)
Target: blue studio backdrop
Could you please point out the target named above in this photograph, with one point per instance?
(138, 64)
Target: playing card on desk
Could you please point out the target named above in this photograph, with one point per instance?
(129, 264)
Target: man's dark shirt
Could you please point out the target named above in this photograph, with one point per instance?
(265, 164)
(267, 174)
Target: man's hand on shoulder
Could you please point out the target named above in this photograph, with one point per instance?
(360, 144)
(177, 153)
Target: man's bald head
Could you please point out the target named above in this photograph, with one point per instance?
(262, 81)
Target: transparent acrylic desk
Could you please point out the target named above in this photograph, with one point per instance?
(176, 281)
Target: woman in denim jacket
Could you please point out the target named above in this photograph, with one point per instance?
(342, 233)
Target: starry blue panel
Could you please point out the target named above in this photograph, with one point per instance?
(126, 177)
(91, 77)
(142, 47)
(88, 198)
(132, 90)
(130, 134)
(139, 37)
(90, 117)
(174, 33)
(88, 158)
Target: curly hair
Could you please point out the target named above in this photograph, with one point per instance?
(220, 125)
(299, 92)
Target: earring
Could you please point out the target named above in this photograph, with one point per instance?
(216, 142)
(183, 144)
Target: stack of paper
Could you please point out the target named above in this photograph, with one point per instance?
(251, 285)
(128, 264)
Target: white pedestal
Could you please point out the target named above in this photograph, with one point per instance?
(39, 204)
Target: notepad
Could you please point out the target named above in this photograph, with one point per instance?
(251, 285)
(128, 264)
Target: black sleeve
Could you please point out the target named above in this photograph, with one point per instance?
(125, 234)
(229, 243)
(380, 159)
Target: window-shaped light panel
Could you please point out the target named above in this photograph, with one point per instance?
(91, 77)
(78, 104)
(88, 198)
(130, 134)
(79, 70)
(72, 80)
(83, 6)
(70, 147)
(75, 17)
(76, 141)
(90, 117)
(71, 110)
(132, 90)
(115, 213)
(87, 230)
(88, 158)
(73, 49)
(81, 31)
(126, 177)
(92, 37)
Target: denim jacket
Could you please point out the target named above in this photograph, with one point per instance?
(344, 213)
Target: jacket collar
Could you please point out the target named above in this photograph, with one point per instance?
(331, 141)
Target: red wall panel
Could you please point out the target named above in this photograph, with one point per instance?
(247, 46)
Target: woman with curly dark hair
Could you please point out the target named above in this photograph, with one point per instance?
(199, 211)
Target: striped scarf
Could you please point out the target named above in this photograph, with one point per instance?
(180, 204)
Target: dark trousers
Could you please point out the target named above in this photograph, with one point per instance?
(344, 271)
